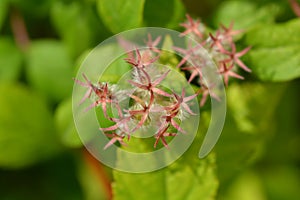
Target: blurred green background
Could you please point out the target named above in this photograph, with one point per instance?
(41, 156)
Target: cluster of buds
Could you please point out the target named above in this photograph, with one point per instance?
(221, 48)
(149, 104)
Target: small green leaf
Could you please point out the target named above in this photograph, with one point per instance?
(27, 133)
(49, 69)
(10, 60)
(65, 125)
(121, 15)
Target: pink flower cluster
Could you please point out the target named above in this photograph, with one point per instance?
(221, 48)
(150, 102)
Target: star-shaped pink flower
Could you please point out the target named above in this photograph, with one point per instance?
(153, 44)
(191, 26)
(235, 56)
(227, 72)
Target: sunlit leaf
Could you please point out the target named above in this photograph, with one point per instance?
(276, 64)
(10, 60)
(121, 15)
(27, 133)
(78, 25)
(275, 35)
(276, 51)
(49, 69)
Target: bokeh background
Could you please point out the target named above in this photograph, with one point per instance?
(42, 44)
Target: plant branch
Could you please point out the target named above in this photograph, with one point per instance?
(19, 29)
(295, 7)
(99, 171)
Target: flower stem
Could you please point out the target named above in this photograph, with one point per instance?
(19, 29)
(295, 7)
(100, 172)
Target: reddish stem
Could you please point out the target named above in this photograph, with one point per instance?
(295, 7)
(100, 173)
(19, 29)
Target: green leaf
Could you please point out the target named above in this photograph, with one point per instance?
(10, 60)
(245, 14)
(121, 15)
(65, 125)
(276, 64)
(77, 25)
(275, 55)
(187, 181)
(3, 11)
(49, 69)
(161, 18)
(27, 133)
(178, 14)
(275, 35)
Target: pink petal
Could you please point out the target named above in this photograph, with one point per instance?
(161, 92)
(243, 52)
(160, 79)
(231, 73)
(177, 126)
(111, 142)
(156, 41)
(94, 104)
(187, 108)
(137, 85)
(87, 95)
(242, 65)
(111, 128)
(141, 122)
(204, 98)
